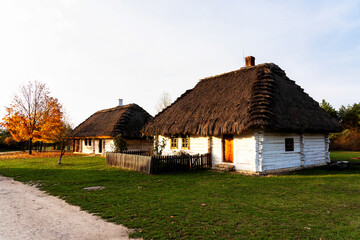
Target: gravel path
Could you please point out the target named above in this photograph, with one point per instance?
(28, 213)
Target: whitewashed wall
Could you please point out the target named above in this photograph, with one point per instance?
(198, 145)
(273, 152)
(315, 149)
(262, 151)
(109, 145)
(216, 150)
(245, 153)
(87, 149)
(96, 145)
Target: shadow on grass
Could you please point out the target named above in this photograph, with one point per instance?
(352, 168)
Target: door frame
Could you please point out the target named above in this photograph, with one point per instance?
(224, 138)
(100, 145)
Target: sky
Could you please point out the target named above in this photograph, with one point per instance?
(91, 53)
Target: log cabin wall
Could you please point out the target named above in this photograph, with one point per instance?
(245, 154)
(261, 151)
(274, 155)
(315, 149)
(309, 150)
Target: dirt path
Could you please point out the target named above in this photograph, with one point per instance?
(28, 213)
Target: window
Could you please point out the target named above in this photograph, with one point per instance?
(85, 142)
(185, 142)
(289, 144)
(174, 142)
(89, 142)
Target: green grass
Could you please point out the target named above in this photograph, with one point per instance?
(310, 204)
(345, 156)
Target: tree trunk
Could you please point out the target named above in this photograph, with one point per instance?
(30, 146)
(62, 152)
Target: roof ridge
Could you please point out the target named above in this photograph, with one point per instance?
(164, 110)
(242, 69)
(115, 108)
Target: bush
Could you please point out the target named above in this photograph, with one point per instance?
(349, 139)
(120, 144)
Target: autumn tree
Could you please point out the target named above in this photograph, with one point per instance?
(33, 115)
(62, 138)
(9, 141)
(163, 102)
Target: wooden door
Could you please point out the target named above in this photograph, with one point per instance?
(228, 147)
(100, 145)
(76, 145)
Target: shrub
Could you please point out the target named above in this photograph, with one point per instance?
(120, 144)
(349, 139)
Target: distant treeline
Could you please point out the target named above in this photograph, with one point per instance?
(349, 117)
(348, 139)
(7, 143)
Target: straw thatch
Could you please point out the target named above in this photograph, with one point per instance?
(126, 120)
(257, 97)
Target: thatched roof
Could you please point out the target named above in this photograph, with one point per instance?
(126, 120)
(256, 97)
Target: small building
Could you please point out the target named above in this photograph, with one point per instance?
(254, 119)
(95, 135)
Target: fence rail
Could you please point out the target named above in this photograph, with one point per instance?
(137, 152)
(158, 164)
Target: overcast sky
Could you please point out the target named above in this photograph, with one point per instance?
(90, 53)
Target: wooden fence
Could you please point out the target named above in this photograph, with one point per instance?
(162, 164)
(137, 152)
(129, 161)
(159, 164)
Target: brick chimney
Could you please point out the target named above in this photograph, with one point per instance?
(249, 61)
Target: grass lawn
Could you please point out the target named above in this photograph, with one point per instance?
(321, 203)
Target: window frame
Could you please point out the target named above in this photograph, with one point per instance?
(289, 145)
(185, 144)
(174, 142)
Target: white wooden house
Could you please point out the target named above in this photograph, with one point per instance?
(255, 119)
(95, 135)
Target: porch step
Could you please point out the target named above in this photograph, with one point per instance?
(224, 167)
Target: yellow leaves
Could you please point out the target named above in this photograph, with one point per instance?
(34, 115)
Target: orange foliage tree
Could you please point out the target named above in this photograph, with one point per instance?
(33, 115)
(10, 141)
